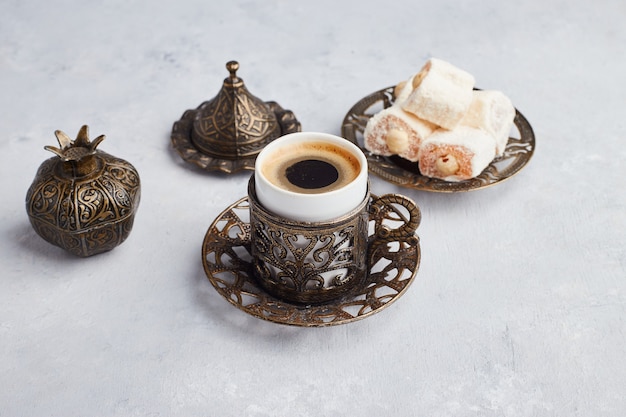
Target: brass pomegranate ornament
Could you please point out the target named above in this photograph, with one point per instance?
(83, 200)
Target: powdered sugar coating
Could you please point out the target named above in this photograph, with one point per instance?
(493, 112)
(473, 149)
(394, 118)
(403, 90)
(442, 94)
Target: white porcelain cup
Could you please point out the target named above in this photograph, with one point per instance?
(310, 176)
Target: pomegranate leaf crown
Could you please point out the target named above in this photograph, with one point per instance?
(74, 150)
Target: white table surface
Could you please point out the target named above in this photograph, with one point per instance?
(519, 306)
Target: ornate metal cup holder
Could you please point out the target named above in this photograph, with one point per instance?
(227, 263)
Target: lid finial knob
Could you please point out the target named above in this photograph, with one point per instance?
(232, 67)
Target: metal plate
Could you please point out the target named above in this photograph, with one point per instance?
(227, 263)
(396, 170)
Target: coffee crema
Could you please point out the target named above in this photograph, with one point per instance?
(311, 167)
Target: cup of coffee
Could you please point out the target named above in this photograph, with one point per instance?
(310, 212)
(311, 176)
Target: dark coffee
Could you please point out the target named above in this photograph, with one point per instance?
(312, 174)
(311, 167)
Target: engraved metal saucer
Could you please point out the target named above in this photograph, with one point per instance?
(227, 132)
(228, 265)
(399, 171)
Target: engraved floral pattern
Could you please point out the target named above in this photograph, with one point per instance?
(182, 143)
(84, 214)
(309, 262)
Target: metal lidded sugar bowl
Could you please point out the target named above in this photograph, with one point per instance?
(83, 199)
(227, 132)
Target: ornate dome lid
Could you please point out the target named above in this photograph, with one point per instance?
(228, 131)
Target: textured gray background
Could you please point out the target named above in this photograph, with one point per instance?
(518, 308)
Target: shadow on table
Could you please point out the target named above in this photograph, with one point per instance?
(29, 242)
